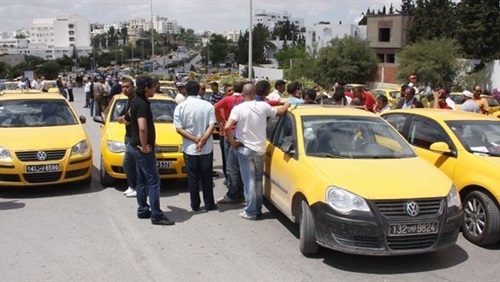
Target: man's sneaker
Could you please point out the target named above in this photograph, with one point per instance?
(129, 190)
(211, 208)
(144, 215)
(226, 201)
(246, 216)
(162, 221)
(132, 194)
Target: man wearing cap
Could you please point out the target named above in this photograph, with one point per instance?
(468, 104)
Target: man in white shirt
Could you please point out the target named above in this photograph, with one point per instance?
(251, 117)
(194, 120)
(279, 89)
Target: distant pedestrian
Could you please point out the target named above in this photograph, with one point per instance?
(69, 86)
(60, 87)
(468, 105)
(279, 89)
(481, 102)
(216, 95)
(194, 120)
(142, 142)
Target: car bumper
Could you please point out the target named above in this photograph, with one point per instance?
(75, 168)
(113, 164)
(369, 236)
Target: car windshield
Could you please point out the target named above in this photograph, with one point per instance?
(163, 110)
(481, 137)
(352, 137)
(35, 113)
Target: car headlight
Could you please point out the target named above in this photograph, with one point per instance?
(5, 154)
(344, 201)
(81, 148)
(115, 147)
(453, 198)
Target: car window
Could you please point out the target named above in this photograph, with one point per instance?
(397, 121)
(492, 102)
(285, 132)
(395, 94)
(35, 113)
(423, 133)
(456, 98)
(163, 111)
(479, 137)
(271, 124)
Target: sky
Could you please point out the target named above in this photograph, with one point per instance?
(213, 15)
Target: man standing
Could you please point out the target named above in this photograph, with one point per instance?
(409, 99)
(279, 89)
(482, 103)
(381, 104)
(294, 93)
(251, 117)
(216, 95)
(194, 120)
(129, 165)
(116, 88)
(69, 86)
(142, 142)
(468, 104)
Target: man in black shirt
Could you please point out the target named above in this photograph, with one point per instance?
(142, 143)
(129, 165)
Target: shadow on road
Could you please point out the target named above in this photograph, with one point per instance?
(11, 205)
(74, 188)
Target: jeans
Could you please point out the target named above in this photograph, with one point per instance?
(87, 99)
(252, 169)
(70, 94)
(92, 107)
(234, 183)
(129, 165)
(199, 169)
(63, 92)
(223, 153)
(147, 177)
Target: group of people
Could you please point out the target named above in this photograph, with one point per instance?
(98, 93)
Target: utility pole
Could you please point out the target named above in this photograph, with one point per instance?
(152, 36)
(250, 47)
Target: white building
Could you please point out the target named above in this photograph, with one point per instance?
(270, 19)
(173, 27)
(319, 35)
(232, 35)
(14, 43)
(52, 38)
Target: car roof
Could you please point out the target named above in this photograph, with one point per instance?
(323, 110)
(158, 96)
(31, 94)
(444, 115)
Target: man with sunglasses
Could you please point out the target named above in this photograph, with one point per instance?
(482, 103)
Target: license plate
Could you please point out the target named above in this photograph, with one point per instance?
(42, 168)
(406, 229)
(164, 164)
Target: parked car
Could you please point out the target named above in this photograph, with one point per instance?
(492, 102)
(169, 157)
(352, 184)
(42, 140)
(393, 95)
(465, 146)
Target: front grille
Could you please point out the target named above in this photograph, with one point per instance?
(31, 156)
(397, 208)
(167, 149)
(76, 173)
(117, 169)
(411, 242)
(166, 171)
(42, 177)
(360, 241)
(10, 178)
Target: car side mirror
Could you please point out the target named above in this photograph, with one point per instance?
(288, 147)
(83, 119)
(99, 119)
(440, 147)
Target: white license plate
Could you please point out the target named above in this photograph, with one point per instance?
(406, 229)
(42, 168)
(164, 164)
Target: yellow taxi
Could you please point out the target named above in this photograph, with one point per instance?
(170, 92)
(52, 86)
(392, 94)
(42, 141)
(350, 86)
(167, 84)
(465, 146)
(331, 170)
(169, 157)
(492, 102)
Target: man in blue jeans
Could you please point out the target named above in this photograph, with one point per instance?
(129, 165)
(142, 142)
(251, 117)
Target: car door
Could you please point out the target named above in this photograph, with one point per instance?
(422, 132)
(281, 165)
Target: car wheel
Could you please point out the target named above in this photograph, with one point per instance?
(106, 180)
(481, 223)
(308, 244)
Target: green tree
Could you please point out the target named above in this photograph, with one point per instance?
(290, 54)
(49, 69)
(434, 61)
(216, 50)
(33, 60)
(4, 70)
(432, 19)
(346, 60)
(261, 43)
(407, 7)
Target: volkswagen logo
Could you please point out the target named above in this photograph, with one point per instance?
(412, 208)
(41, 156)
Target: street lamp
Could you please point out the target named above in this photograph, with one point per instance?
(152, 35)
(250, 42)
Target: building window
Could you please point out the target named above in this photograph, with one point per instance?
(390, 58)
(71, 32)
(380, 58)
(71, 39)
(384, 34)
(71, 26)
(314, 36)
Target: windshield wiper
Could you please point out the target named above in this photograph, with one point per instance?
(326, 155)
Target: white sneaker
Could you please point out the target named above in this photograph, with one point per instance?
(132, 194)
(129, 190)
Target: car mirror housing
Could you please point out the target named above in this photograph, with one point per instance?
(83, 119)
(440, 147)
(99, 119)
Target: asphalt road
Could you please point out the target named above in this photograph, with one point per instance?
(73, 232)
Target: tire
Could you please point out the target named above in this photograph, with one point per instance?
(308, 244)
(106, 180)
(481, 224)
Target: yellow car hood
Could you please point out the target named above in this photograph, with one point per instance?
(165, 133)
(36, 138)
(378, 179)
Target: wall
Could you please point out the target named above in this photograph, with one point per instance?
(262, 73)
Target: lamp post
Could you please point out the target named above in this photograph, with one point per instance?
(250, 42)
(152, 35)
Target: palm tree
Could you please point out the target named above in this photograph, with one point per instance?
(261, 43)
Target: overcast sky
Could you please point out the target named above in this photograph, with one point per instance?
(214, 15)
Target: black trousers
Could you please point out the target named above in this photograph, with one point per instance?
(199, 170)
